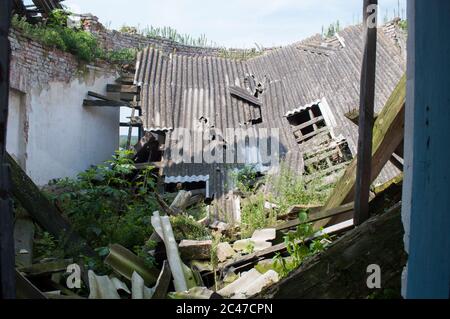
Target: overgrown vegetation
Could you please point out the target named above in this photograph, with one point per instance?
(54, 32)
(171, 34)
(298, 247)
(241, 54)
(282, 191)
(332, 29)
(113, 204)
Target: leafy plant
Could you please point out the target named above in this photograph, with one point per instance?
(254, 216)
(106, 204)
(54, 32)
(245, 178)
(298, 247)
(288, 188)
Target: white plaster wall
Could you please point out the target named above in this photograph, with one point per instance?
(65, 138)
(15, 140)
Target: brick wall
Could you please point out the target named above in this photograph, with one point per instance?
(34, 65)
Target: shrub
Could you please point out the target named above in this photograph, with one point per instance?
(105, 206)
(82, 44)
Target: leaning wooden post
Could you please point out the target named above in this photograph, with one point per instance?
(366, 112)
(7, 271)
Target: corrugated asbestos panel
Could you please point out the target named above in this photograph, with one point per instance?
(180, 91)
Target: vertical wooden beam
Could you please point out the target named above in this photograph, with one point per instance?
(366, 112)
(7, 272)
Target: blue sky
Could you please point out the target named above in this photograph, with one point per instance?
(234, 23)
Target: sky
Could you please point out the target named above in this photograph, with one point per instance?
(235, 23)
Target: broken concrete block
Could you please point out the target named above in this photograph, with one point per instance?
(195, 250)
(268, 205)
(224, 251)
(264, 234)
(257, 285)
(249, 245)
(240, 285)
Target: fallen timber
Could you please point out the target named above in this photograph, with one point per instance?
(344, 264)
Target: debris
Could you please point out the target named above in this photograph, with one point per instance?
(25, 289)
(181, 201)
(268, 205)
(101, 287)
(249, 284)
(225, 251)
(219, 226)
(46, 268)
(264, 234)
(163, 282)
(42, 210)
(250, 245)
(377, 241)
(138, 289)
(202, 266)
(125, 263)
(195, 250)
(163, 228)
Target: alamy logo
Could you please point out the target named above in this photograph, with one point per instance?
(374, 279)
(74, 279)
(372, 18)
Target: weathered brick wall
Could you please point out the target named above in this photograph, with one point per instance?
(115, 40)
(34, 65)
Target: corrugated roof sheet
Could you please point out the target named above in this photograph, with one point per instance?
(180, 91)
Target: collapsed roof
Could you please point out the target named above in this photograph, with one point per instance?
(315, 75)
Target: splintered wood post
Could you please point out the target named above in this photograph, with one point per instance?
(366, 113)
(7, 272)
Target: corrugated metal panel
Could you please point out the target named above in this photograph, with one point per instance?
(186, 91)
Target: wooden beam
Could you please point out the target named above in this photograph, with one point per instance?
(388, 134)
(121, 88)
(101, 103)
(309, 123)
(366, 113)
(244, 95)
(7, 275)
(340, 271)
(25, 289)
(42, 210)
(316, 216)
(312, 134)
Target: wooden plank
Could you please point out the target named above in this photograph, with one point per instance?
(387, 135)
(248, 261)
(46, 268)
(312, 134)
(25, 289)
(244, 95)
(316, 216)
(121, 88)
(309, 123)
(322, 156)
(366, 117)
(340, 271)
(42, 210)
(163, 282)
(101, 103)
(125, 124)
(7, 276)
